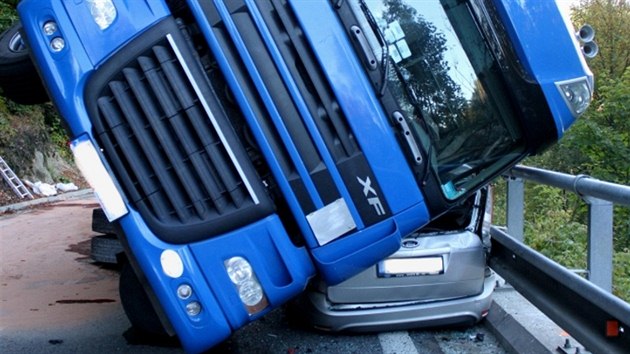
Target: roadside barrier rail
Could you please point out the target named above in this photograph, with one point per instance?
(600, 197)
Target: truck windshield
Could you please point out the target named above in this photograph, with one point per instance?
(447, 82)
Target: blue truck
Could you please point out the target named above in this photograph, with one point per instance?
(243, 147)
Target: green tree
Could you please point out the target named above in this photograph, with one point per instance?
(611, 21)
(598, 144)
(428, 76)
(7, 13)
(605, 130)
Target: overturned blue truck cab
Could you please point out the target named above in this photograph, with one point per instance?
(243, 146)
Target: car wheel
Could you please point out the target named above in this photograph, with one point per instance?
(19, 79)
(137, 305)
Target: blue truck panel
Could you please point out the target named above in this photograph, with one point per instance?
(255, 145)
(132, 17)
(191, 330)
(530, 38)
(355, 95)
(72, 65)
(331, 269)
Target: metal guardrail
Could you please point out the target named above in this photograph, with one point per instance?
(586, 309)
(599, 195)
(582, 185)
(597, 319)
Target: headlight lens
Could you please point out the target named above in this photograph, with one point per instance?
(577, 94)
(103, 12)
(247, 286)
(250, 292)
(239, 270)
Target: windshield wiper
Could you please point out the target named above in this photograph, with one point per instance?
(413, 100)
(386, 62)
(381, 40)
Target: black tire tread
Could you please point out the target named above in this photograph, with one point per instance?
(137, 305)
(105, 248)
(19, 79)
(100, 223)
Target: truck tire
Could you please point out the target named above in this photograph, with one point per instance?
(19, 80)
(137, 305)
(100, 223)
(105, 248)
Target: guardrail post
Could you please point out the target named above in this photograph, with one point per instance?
(600, 242)
(596, 318)
(516, 208)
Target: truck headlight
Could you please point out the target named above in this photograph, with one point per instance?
(103, 12)
(90, 165)
(239, 270)
(247, 286)
(250, 292)
(577, 94)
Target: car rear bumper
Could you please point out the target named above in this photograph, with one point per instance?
(397, 315)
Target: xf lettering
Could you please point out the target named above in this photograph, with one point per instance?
(371, 195)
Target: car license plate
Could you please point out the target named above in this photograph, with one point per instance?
(406, 267)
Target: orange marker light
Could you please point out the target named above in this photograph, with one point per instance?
(612, 328)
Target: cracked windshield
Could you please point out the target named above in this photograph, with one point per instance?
(448, 84)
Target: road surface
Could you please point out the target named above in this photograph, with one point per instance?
(55, 299)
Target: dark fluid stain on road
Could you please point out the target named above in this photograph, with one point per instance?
(41, 208)
(83, 248)
(8, 212)
(85, 301)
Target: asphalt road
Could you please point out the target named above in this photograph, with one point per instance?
(55, 299)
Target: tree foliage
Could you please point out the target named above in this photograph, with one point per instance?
(598, 145)
(611, 21)
(7, 13)
(427, 75)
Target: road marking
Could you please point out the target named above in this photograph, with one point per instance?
(397, 343)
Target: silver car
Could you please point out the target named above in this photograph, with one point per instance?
(438, 277)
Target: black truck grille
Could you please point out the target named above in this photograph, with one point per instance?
(323, 109)
(169, 142)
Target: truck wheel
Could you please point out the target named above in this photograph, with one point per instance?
(105, 248)
(19, 80)
(137, 305)
(100, 223)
